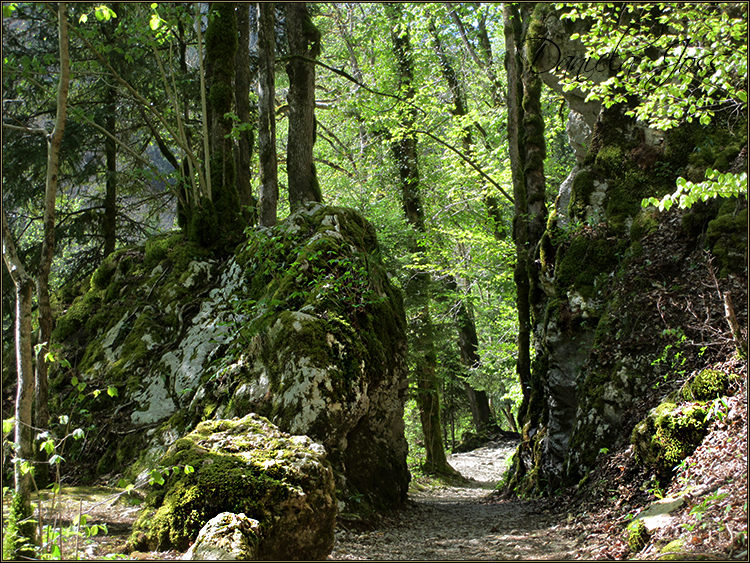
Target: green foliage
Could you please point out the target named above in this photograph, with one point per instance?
(681, 61)
(688, 193)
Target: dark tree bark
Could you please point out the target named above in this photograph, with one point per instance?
(514, 66)
(268, 192)
(109, 220)
(109, 226)
(221, 48)
(304, 43)
(417, 289)
(242, 95)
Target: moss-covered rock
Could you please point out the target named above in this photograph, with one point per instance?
(636, 536)
(244, 466)
(669, 434)
(727, 237)
(707, 384)
(300, 325)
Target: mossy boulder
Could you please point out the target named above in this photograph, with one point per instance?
(300, 324)
(707, 384)
(246, 466)
(669, 434)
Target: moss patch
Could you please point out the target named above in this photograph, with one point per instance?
(669, 434)
(636, 536)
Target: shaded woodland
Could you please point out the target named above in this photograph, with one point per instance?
(371, 235)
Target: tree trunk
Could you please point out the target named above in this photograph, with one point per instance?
(417, 289)
(514, 65)
(54, 141)
(242, 100)
(304, 41)
(24, 439)
(268, 192)
(110, 197)
(221, 48)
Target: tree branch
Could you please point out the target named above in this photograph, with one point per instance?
(470, 162)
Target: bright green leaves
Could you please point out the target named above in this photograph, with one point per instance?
(688, 193)
(9, 8)
(683, 61)
(102, 13)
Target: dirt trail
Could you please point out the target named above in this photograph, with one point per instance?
(449, 523)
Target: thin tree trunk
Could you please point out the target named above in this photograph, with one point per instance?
(268, 192)
(23, 438)
(304, 41)
(110, 196)
(468, 343)
(242, 95)
(48, 243)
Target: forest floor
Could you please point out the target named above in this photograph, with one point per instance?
(450, 520)
(460, 519)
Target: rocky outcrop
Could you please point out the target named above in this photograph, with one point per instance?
(300, 325)
(616, 279)
(247, 467)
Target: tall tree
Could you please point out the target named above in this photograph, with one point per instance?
(221, 48)
(268, 192)
(245, 139)
(304, 47)
(527, 151)
(417, 290)
(46, 321)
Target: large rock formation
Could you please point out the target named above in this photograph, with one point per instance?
(615, 280)
(244, 467)
(300, 325)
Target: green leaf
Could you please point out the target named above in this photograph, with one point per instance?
(56, 459)
(9, 8)
(155, 22)
(74, 381)
(705, 119)
(742, 95)
(156, 477)
(48, 446)
(112, 391)
(78, 433)
(189, 469)
(8, 424)
(83, 19)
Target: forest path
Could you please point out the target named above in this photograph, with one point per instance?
(463, 522)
